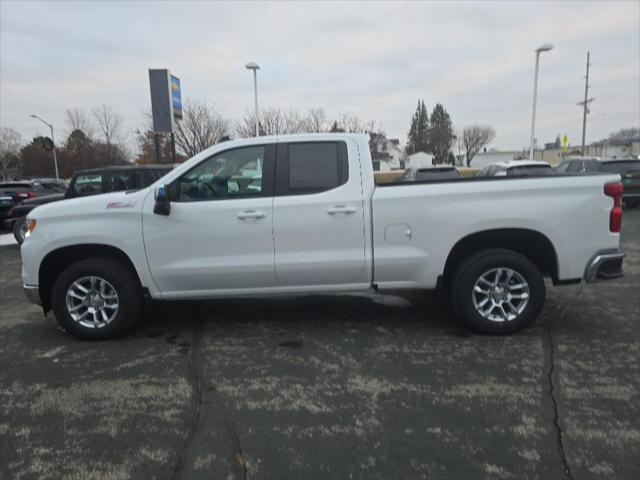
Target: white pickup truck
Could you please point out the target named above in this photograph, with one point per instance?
(302, 214)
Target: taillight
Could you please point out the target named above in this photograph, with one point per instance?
(27, 194)
(615, 190)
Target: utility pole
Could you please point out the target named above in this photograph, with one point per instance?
(585, 105)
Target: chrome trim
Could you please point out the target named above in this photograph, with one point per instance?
(32, 292)
(591, 271)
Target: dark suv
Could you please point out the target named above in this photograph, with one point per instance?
(12, 193)
(88, 182)
(627, 168)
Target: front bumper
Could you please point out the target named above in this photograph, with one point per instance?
(604, 265)
(32, 293)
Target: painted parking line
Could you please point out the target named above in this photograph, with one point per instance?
(7, 239)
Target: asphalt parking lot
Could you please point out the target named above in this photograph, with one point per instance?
(326, 387)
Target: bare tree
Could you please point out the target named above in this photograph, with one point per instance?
(109, 122)
(246, 126)
(316, 120)
(201, 126)
(351, 123)
(10, 142)
(474, 138)
(77, 119)
(273, 121)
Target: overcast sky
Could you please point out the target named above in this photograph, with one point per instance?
(371, 59)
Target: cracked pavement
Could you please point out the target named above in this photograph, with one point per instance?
(343, 386)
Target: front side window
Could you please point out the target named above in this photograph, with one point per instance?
(234, 173)
(562, 167)
(88, 184)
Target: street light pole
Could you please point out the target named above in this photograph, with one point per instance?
(254, 66)
(543, 48)
(55, 158)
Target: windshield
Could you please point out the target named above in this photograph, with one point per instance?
(436, 174)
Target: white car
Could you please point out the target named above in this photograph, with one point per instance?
(516, 168)
(316, 222)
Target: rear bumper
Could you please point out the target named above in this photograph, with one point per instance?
(32, 293)
(604, 265)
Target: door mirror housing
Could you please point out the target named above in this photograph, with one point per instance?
(70, 192)
(162, 204)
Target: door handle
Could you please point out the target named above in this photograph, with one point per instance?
(251, 215)
(340, 209)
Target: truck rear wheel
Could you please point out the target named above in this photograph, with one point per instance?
(497, 291)
(97, 299)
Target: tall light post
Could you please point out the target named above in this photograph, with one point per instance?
(545, 47)
(55, 158)
(254, 66)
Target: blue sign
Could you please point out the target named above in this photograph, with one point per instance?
(176, 99)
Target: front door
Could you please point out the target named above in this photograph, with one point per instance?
(217, 238)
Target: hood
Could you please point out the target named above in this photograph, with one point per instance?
(92, 205)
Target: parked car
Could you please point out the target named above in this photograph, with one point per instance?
(318, 223)
(627, 168)
(84, 183)
(12, 193)
(416, 174)
(516, 168)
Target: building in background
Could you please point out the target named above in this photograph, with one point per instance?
(386, 153)
(419, 160)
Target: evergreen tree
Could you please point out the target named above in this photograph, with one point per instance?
(418, 138)
(335, 128)
(441, 134)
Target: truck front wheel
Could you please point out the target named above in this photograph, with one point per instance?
(97, 299)
(497, 291)
(20, 229)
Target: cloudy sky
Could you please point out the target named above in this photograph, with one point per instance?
(373, 59)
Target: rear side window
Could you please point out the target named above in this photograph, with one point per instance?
(531, 170)
(122, 181)
(311, 167)
(621, 167)
(591, 165)
(150, 176)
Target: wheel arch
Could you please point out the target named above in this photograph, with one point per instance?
(532, 244)
(56, 260)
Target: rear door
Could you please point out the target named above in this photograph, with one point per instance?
(318, 215)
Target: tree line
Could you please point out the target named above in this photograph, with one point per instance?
(95, 137)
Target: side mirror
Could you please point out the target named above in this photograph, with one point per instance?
(69, 193)
(162, 204)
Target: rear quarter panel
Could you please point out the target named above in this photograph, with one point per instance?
(572, 212)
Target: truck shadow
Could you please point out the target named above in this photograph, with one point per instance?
(414, 312)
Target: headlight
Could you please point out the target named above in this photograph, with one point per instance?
(31, 226)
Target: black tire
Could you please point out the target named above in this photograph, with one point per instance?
(19, 227)
(120, 277)
(632, 202)
(478, 264)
